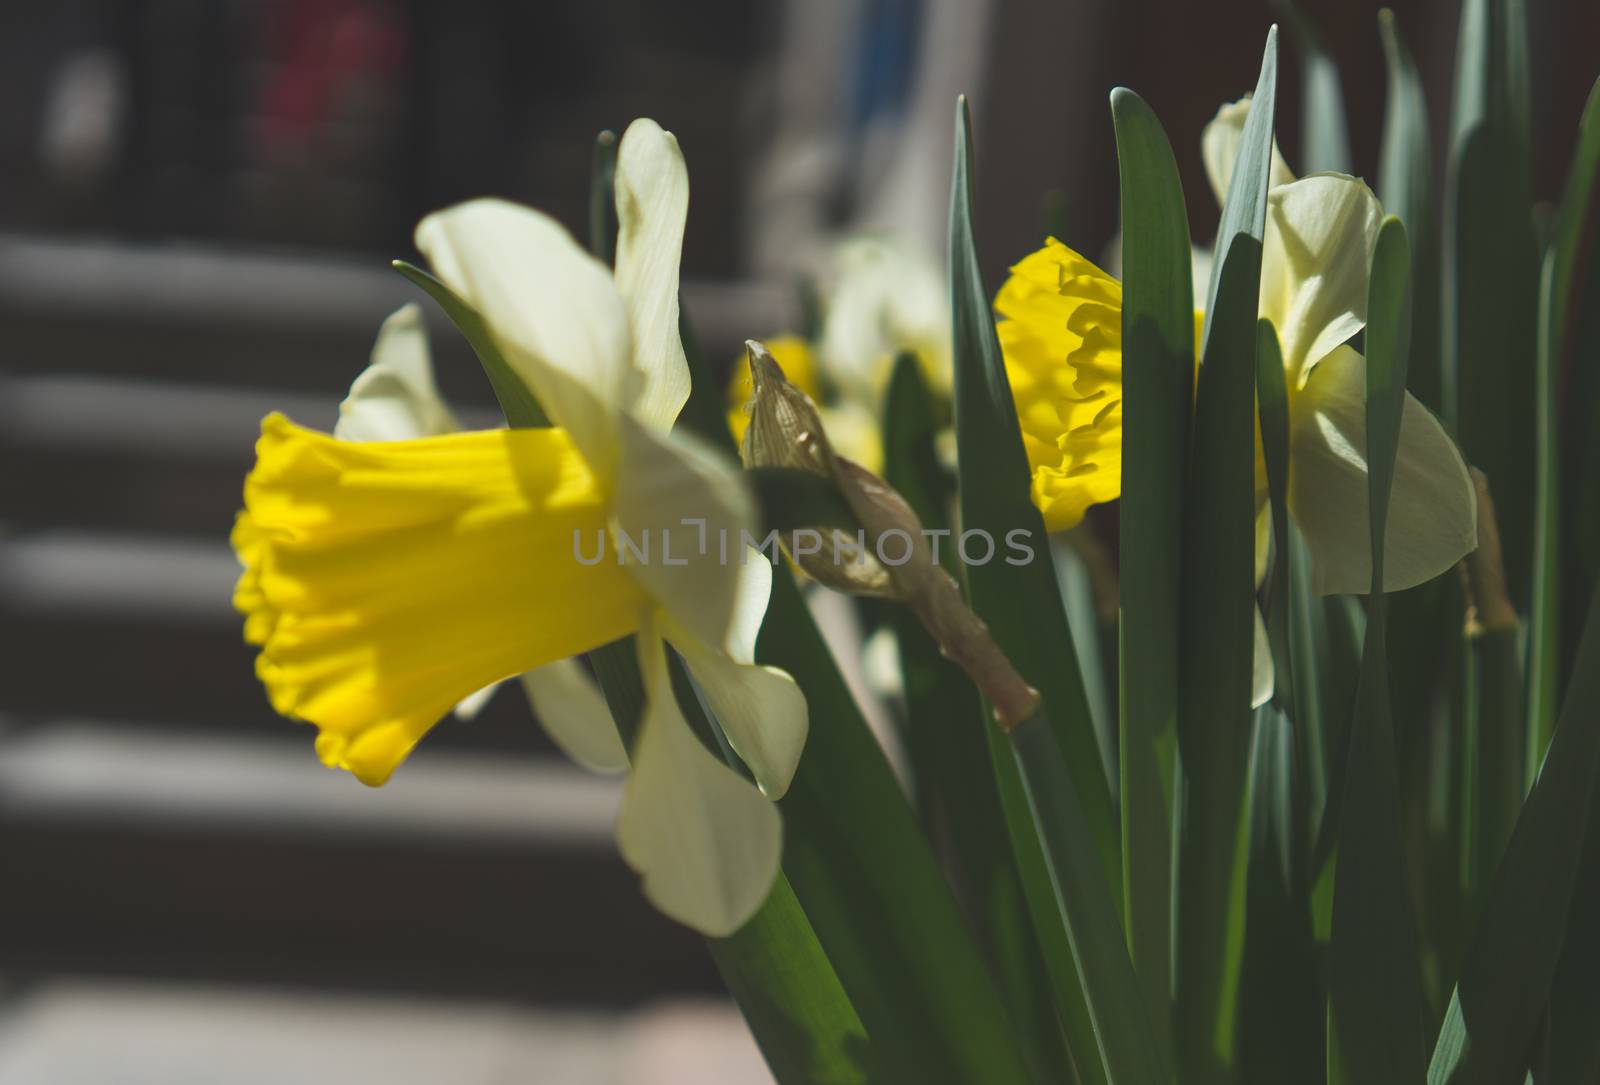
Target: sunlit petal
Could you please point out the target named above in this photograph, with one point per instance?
(1320, 235)
(704, 841)
(575, 715)
(652, 190)
(1433, 509)
(761, 709)
(395, 398)
(551, 307)
(681, 517)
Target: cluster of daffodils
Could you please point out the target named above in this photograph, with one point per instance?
(401, 568)
(1061, 334)
(398, 567)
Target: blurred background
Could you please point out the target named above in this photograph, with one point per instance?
(198, 202)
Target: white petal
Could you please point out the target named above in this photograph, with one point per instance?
(652, 190)
(395, 398)
(683, 509)
(1433, 507)
(473, 703)
(761, 709)
(1262, 679)
(1320, 235)
(753, 592)
(551, 307)
(705, 842)
(575, 715)
(886, 296)
(1219, 147)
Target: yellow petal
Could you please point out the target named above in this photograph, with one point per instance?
(1061, 334)
(385, 582)
(704, 841)
(395, 398)
(553, 310)
(575, 715)
(1433, 506)
(652, 193)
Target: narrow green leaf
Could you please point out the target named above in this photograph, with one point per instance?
(1497, 661)
(1244, 212)
(1217, 617)
(1215, 666)
(1406, 188)
(1281, 1017)
(1157, 396)
(1281, 1034)
(1374, 964)
(516, 400)
(1000, 504)
(1491, 296)
(1511, 961)
(1055, 750)
(602, 202)
(1555, 300)
(867, 881)
(778, 974)
(1324, 134)
(960, 803)
(1272, 402)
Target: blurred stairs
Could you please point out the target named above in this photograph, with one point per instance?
(156, 818)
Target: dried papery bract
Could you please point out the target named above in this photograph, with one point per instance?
(890, 556)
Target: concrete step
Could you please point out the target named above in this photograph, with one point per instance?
(166, 853)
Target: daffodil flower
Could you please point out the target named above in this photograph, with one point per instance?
(387, 579)
(1061, 334)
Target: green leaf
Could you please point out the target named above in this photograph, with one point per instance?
(867, 881)
(1280, 1031)
(1272, 403)
(1324, 134)
(516, 400)
(1055, 750)
(777, 973)
(960, 803)
(1512, 959)
(1555, 299)
(602, 200)
(1491, 295)
(1244, 212)
(1157, 398)
(1281, 1017)
(1406, 188)
(1217, 616)
(1000, 503)
(1215, 667)
(1374, 963)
